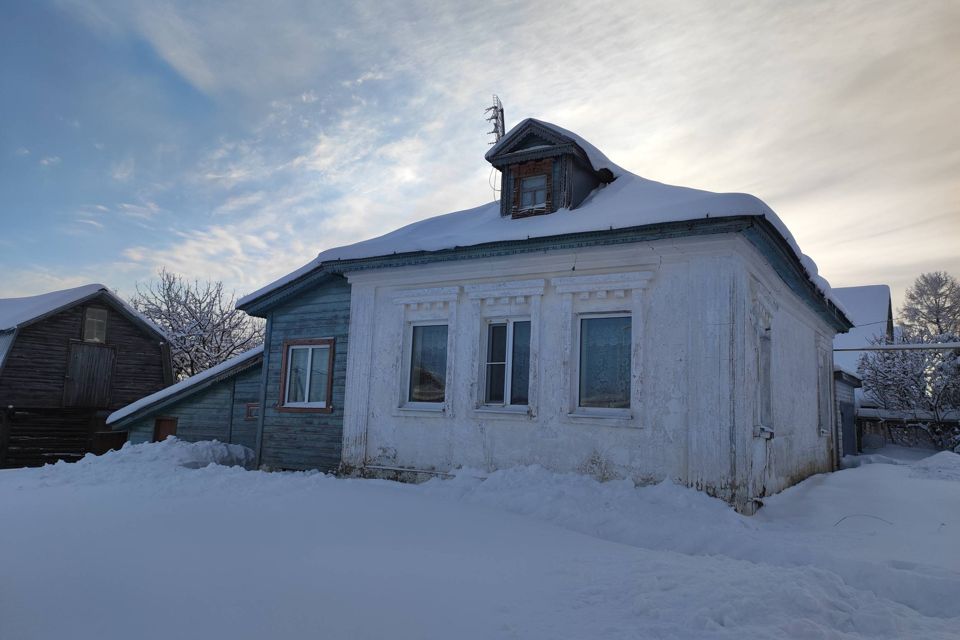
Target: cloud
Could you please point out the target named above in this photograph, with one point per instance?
(122, 171)
(145, 210)
(22, 151)
(370, 115)
(50, 161)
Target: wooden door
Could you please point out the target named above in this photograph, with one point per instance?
(164, 427)
(89, 375)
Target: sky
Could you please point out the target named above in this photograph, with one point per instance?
(234, 141)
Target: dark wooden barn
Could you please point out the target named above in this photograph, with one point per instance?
(67, 359)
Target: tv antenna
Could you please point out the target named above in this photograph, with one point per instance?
(495, 117)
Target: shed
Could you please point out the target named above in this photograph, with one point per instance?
(67, 358)
(221, 403)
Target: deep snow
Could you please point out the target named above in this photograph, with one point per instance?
(143, 544)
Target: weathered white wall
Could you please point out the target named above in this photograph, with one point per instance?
(691, 417)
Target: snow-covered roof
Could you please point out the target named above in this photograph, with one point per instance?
(629, 201)
(190, 383)
(6, 341)
(17, 312)
(868, 308)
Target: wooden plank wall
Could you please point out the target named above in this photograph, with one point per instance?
(35, 369)
(209, 414)
(35, 438)
(307, 440)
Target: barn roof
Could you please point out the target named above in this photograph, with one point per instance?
(629, 201)
(188, 387)
(869, 308)
(16, 313)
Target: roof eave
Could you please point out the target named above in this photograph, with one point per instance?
(184, 393)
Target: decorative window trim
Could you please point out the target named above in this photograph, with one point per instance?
(763, 306)
(506, 405)
(518, 300)
(600, 295)
(426, 307)
(98, 321)
(327, 406)
(601, 412)
(530, 169)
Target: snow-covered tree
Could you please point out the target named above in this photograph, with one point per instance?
(200, 319)
(917, 382)
(932, 305)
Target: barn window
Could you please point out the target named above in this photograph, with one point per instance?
(604, 374)
(307, 374)
(533, 192)
(95, 325)
(428, 363)
(507, 369)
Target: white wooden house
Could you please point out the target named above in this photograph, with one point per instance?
(592, 321)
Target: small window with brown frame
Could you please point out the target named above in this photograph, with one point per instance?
(252, 411)
(306, 382)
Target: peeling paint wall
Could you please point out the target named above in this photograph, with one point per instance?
(692, 393)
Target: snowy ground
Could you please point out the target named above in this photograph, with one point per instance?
(136, 545)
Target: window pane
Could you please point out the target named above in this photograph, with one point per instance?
(520, 366)
(534, 182)
(428, 363)
(95, 325)
(533, 191)
(319, 374)
(496, 363)
(497, 343)
(297, 375)
(496, 374)
(605, 362)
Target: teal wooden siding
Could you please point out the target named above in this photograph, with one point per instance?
(215, 413)
(306, 440)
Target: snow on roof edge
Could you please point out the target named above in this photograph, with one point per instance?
(647, 202)
(183, 385)
(15, 312)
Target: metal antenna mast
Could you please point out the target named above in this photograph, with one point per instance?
(495, 117)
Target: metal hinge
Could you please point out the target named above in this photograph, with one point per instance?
(761, 431)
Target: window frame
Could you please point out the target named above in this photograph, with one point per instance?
(87, 319)
(251, 411)
(545, 189)
(406, 402)
(508, 364)
(325, 406)
(578, 409)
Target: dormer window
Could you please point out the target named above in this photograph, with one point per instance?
(533, 192)
(543, 170)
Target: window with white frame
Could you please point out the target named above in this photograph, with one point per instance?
(507, 368)
(428, 363)
(605, 361)
(95, 325)
(307, 381)
(533, 192)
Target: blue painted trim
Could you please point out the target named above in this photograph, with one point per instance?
(756, 229)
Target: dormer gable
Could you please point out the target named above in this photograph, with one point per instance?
(543, 169)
